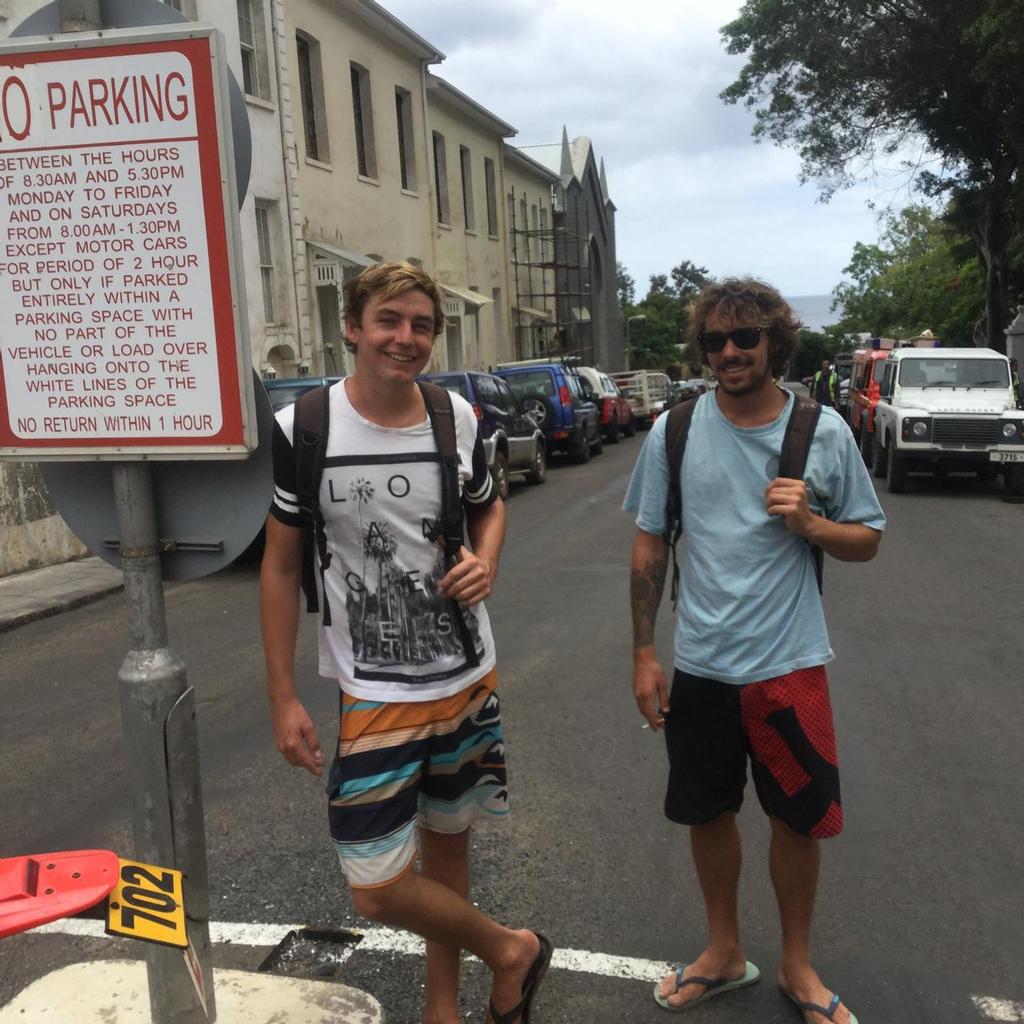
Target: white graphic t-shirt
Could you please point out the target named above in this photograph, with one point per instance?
(392, 636)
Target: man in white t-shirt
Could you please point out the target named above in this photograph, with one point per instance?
(420, 755)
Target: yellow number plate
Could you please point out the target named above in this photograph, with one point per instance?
(147, 904)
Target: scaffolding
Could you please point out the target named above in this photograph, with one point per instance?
(551, 267)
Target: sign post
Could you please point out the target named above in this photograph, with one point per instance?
(124, 339)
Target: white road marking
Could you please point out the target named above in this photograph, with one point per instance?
(999, 1009)
(387, 940)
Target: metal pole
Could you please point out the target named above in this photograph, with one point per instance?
(161, 749)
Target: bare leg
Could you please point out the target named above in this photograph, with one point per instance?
(441, 916)
(444, 859)
(717, 856)
(794, 861)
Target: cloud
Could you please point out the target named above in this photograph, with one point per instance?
(642, 80)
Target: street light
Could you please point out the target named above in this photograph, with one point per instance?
(629, 320)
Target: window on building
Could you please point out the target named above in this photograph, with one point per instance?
(406, 142)
(466, 165)
(362, 111)
(544, 240)
(265, 211)
(441, 179)
(252, 37)
(311, 90)
(186, 7)
(492, 197)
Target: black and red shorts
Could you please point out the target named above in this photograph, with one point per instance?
(784, 725)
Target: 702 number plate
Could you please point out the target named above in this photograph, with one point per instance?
(147, 903)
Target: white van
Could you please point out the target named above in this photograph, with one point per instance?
(948, 409)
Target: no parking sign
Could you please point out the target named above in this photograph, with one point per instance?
(122, 332)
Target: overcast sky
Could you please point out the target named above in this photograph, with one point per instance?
(642, 79)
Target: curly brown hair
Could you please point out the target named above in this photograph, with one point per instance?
(746, 300)
(388, 280)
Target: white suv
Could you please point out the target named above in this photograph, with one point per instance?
(948, 409)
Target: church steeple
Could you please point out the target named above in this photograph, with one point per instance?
(566, 169)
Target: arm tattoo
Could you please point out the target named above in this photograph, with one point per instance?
(645, 589)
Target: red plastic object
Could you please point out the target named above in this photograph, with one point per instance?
(44, 887)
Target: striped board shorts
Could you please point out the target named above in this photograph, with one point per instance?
(439, 764)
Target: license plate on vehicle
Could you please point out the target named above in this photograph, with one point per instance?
(147, 903)
(1006, 456)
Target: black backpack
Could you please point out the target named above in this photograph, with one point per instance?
(309, 444)
(796, 445)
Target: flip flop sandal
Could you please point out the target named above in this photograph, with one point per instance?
(714, 986)
(520, 1013)
(828, 1012)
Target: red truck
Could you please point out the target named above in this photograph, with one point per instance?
(867, 373)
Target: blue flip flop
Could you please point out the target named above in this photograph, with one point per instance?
(828, 1012)
(714, 986)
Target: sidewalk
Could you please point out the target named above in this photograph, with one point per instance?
(116, 992)
(27, 596)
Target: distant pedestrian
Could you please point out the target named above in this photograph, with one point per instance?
(750, 640)
(825, 386)
(1018, 389)
(420, 755)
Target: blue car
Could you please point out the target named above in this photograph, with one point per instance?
(555, 398)
(285, 390)
(512, 441)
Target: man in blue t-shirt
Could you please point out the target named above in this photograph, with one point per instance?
(750, 642)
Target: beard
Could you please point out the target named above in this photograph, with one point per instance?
(755, 380)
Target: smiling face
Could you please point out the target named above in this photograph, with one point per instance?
(739, 371)
(394, 338)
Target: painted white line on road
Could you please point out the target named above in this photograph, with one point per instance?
(999, 1009)
(387, 940)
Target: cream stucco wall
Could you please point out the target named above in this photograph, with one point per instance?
(472, 258)
(368, 216)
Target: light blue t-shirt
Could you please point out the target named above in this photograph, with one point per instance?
(748, 606)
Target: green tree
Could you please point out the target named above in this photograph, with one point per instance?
(812, 348)
(920, 275)
(656, 341)
(626, 287)
(846, 82)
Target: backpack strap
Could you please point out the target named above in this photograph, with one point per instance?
(310, 428)
(442, 421)
(796, 446)
(676, 431)
(451, 529)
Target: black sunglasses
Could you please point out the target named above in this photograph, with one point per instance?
(742, 337)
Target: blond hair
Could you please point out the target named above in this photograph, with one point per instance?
(387, 280)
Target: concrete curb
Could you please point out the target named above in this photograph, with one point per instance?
(39, 593)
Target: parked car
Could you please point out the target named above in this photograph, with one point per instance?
(868, 371)
(553, 396)
(692, 388)
(285, 390)
(647, 391)
(512, 441)
(948, 410)
(616, 414)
